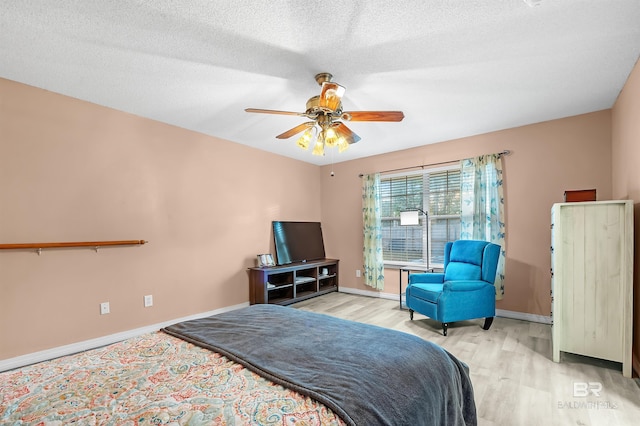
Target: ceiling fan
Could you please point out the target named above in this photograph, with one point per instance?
(327, 117)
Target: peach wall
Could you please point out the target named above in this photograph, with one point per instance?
(547, 159)
(626, 175)
(75, 171)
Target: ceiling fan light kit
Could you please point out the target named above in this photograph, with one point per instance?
(304, 140)
(325, 111)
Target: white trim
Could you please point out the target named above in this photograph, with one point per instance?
(47, 354)
(368, 293)
(523, 316)
(499, 312)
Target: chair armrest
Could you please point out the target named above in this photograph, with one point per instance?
(464, 285)
(426, 278)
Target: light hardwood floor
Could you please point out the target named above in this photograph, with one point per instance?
(515, 380)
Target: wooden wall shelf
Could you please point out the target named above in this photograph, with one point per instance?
(94, 244)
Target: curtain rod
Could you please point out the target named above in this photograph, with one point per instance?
(505, 152)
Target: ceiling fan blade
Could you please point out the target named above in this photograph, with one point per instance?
(299, 128)
(348, 134)
(331, 95)
(273, 111)
(373, 116)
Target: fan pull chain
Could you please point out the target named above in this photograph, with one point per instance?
(332, 174)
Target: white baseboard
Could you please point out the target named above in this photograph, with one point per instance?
(523, 316)
(369, 293)
(32, 358)
(499, 312)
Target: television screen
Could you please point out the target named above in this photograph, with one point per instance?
(298, 241)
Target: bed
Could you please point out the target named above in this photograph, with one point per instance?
(259, 365)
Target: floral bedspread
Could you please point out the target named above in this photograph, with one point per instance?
(151, 379)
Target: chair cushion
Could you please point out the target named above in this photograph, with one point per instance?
(468, 251)
(465, 260)
(457, 271)
(465, 285)
(430, 292)
(429, 277)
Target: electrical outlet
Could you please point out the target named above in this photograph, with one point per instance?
(358, 273)
(104, 308)
(148, 301)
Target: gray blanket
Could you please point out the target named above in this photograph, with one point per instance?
(367, 375)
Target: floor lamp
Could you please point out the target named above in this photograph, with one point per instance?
(411, 217)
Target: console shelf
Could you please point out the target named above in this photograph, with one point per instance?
(286, 284)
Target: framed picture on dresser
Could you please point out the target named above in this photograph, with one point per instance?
(265, 260)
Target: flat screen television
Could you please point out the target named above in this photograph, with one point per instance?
(298, 241)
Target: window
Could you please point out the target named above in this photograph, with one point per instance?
(436, 192)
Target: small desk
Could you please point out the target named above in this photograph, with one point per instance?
(408, 270)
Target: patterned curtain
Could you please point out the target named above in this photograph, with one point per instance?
(373, 260)
(483, 206)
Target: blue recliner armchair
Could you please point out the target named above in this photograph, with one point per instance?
(464, 291)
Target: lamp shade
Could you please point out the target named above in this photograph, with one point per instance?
(409, 218)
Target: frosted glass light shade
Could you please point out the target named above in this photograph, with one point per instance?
(342, 144)
(318, 148)
(330, 137)
(305, 139)
(331, 95)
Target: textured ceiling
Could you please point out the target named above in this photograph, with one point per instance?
(455, 68)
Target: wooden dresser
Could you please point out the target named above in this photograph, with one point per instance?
(592, 277)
